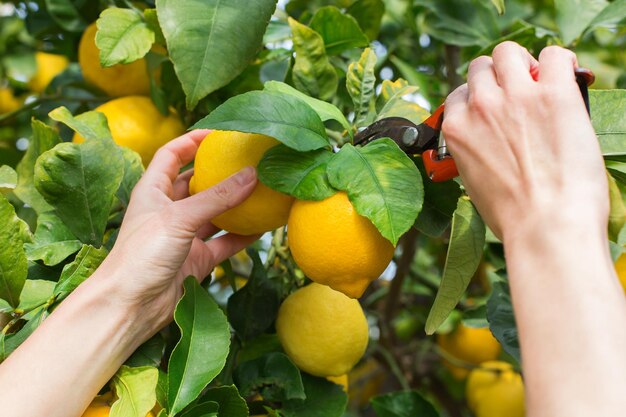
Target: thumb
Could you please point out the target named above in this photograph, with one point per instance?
(197, 210)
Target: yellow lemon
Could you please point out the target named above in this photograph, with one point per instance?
(8, 101)
(48, 67)
(136, 123)
(335, 246)
(495, 390)
(471, 345)
(223, 153)
(340, 380)
(117, 80)
(620, 268)
(324, 332)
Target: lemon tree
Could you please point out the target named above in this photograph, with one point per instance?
(372, 290)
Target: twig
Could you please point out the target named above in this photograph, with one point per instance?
(453, 61)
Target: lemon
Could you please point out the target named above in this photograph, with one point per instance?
(324, 332)
(340, 380)
(136, 123)
(495, 390)
(335, 246)
(223, 153)
(620, 268)
(8, 101)
(471, 345)
(48, 67)
(117, 80)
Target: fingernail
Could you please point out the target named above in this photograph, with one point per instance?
(245, 176)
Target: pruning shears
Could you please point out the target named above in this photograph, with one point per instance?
(426, 138)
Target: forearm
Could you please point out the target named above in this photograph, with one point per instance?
(68, 359)
(571, 315)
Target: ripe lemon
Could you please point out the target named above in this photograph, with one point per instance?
(469, 345)
(8, 101)
(495, 390)
(101, 407)
(620, 268)
(324, 332)
(117, 80)
(136, 123)
(223, 153)
(48, 67)
(340, 380)
(335, 246)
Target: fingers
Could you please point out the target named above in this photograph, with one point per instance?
(227, 245)
(481, 75)
(207, 230)
(556, 65)
(513, 65)
(180, 189)
(197, 210)
(456, 102)
(171, 157)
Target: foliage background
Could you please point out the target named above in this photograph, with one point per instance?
(428, 43)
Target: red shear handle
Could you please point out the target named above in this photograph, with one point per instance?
(442, 168)
(439, 170)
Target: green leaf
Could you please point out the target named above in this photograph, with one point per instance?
(499, 5)
(44, 138)
(607, 117)
(464, 254)
(323, 398)
(149, 353)
(476, 317)
(133, 170)
(403, 404)
(460, 22)
(361, 83)
(440, 200)
(573, 16)
(299, 174)
(5, 307)
(617, 170)
(8, 343)
(8, 178)
(90, 125)
(253, 308)
(161, 390)
(230, 402)
(135, 389)
(312, 72)
(211, 42)
(86, 262)
(150, 15)
(255, 348)
(35, 293)
(53, 241)
(13, 263)
(326, 111)
(391, 102)
(201, 352)
(273, 376)
(122, 37)
(382, 183)
(64, 12)
(617, 214)
(339, 31)
(207, 409)
(80, 182)
(369, 15)
(502, 319)
(612, 14)
(281, 116)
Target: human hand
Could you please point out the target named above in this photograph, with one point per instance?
(525, 149)
(161, 240)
